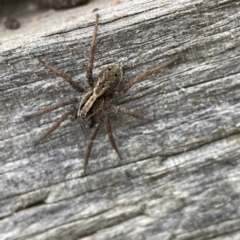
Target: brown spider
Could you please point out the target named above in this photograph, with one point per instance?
(94, 105)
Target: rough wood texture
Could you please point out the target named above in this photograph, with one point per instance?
(179, 178)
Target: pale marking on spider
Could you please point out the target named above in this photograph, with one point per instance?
(95, 104)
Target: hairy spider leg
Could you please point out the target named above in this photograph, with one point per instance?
(54, 107)
(125, 111)
(54, 126)
(110, 136)
(109, 131)
(64, 76)
(145, 74)
(90, 143)
(91, 55)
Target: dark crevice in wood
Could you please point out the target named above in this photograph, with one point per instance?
(32, 205)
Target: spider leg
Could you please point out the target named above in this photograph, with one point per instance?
(145, 74)
(91, 54)
(54, 126)
(49, 109)
(64, 76)
(128, 112)
(110, 136)
(89, 146)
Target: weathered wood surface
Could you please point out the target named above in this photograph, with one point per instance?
(179, 178)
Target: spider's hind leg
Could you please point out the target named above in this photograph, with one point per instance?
(125, 111)
(91, 123)
(54, 126)
(110, 136)
(90, 143)
(54, 107)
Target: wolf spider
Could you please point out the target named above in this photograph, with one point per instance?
(95, 104)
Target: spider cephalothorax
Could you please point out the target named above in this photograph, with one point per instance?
(107, 82)
(94, 105)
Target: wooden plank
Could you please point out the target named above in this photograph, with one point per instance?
(179, 177)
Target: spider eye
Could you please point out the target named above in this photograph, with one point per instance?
(109, 69)
(116, 74)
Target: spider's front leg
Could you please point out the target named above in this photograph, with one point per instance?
(65, 77)
(143, 75)
(91, 54)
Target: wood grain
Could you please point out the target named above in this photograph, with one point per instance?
(179, 177)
